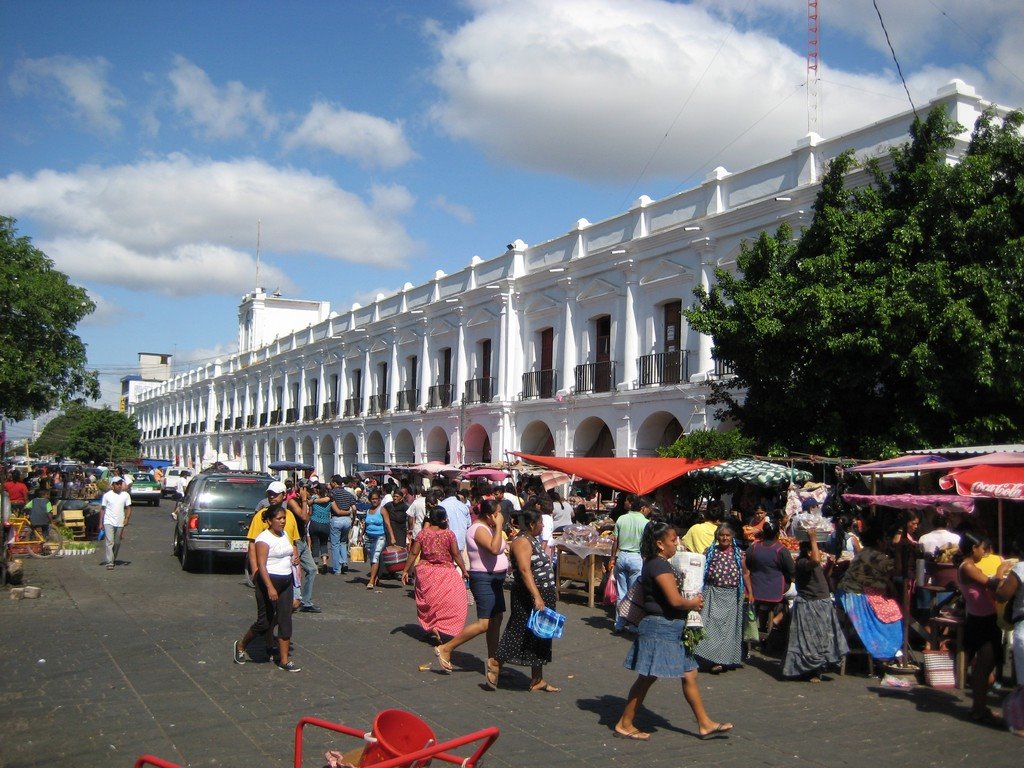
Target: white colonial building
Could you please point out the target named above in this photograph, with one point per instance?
(575, 346)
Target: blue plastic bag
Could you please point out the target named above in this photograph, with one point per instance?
(101, 535)
(546, 624)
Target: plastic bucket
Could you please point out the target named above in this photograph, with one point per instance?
(396, 733)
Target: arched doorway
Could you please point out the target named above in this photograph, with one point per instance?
(327, 459)
(438, 446)
(349, 452)
(478, 445)
(537, 439)
(308, 452)
(659, 430)
(375, 448)
(593, 439)
(289, 449)
(405, 448)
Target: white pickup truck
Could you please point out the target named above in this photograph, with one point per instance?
(175, 480)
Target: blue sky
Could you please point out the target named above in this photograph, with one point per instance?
(140, 142)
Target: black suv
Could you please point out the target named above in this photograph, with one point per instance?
(214, 515)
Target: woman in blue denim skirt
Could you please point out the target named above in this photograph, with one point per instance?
(658, 651)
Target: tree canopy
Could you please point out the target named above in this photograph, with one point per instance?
(894, 320)
(42, 360)
(102, 435)
(709, 444)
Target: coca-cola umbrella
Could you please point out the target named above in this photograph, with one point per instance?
(989, 481)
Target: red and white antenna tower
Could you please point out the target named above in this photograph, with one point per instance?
(812, 66)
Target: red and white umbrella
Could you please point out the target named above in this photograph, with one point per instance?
(486, 473)
(988, 481)
(552, 478)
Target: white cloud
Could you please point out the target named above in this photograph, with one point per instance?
(460, 212)
(193, 358)
(218, 112)
(80, 83)
(187, 227)
(371, 141)
(107, 313)
(589, 88)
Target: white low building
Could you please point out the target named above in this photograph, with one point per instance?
(575, 346)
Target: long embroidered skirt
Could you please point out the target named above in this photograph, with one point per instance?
(816, 638)
(441, 601)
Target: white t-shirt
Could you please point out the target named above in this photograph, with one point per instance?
(279, 558)
(129, 478)
(114, 504)
(938, 539)
(562, 514)
(417, 511)
(547, 534)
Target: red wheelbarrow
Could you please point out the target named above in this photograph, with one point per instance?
(398, 739)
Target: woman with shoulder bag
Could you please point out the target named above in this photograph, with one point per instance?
(658, 650)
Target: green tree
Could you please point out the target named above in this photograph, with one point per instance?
(103, 435)
(42, 360)
(53, 439)
(894, 319)
(709, 444)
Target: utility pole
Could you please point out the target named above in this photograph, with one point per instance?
(813, 73)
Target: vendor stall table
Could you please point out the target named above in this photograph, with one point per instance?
(588, 569)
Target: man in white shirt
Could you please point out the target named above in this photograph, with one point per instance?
(417, 512)
(939, 538)
(115, 512)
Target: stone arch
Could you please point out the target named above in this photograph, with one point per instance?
(272, 451)
(308, 449)
(658, 430)
(537, 439)
(327, 458)
(250, 456)
(593, 438)
(438, 446)
(375, 448)
(236, 449)
(405, 447)
(349, 452)
(477, 445)
(289, 449)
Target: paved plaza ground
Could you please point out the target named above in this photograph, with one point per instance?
(110, 665)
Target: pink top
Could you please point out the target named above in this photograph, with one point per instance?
(977, 599)
(480, 560)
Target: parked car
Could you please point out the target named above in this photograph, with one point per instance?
(145, 489)
(214, 516)
(175, 480)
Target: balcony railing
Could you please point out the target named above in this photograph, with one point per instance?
(177, 430)
(542, 384)
(664, 368)
(408, 400)
(595, 377)
(480, 390)
(309, 413)
(379, 403)
(201, 426)
(291, 415)
(723, 369)
(250, 421)
(353, 407)
(275, 417)
(330, 411)
(239, 421)
(263, 419)
(441, 395)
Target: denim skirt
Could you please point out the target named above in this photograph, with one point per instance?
(658, 651)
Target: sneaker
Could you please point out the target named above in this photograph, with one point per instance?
(289, 667)
(110, 566)
(238, 654)
(311, 609)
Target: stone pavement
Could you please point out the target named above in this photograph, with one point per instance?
(110, 665)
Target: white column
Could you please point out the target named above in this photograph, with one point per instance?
(424, 371)
(367, 383)
(629, 343)
(705, 363)
(460, 360)
(503, 385)
(394, 375)
(567, 377)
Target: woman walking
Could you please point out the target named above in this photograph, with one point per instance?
(983, 640)
(626, 562)
(275, 557)
(320, 526)
(658, 651)
(378, 529)
(771, 572)
(488, 566)
(532, 589)
(440, 592)
(726, 585)
(816, 638)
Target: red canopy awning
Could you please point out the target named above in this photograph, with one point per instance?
(637, 476)
(987, 482)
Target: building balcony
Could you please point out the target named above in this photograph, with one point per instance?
(186, 429)
(201, 426)
(239, 421)
(330, 411)
(480, 390)
(539, 384)
(408, 400)
(291, 416)
(723, 369)
(379, 404)
(441, 395)
(276, 417)
(250, 421)
(264, 418)
(663, 368)
(309, 413)
(595, 377)
(353, 407)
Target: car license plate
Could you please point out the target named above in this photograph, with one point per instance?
(239, 546)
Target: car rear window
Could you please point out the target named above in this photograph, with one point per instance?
(232, 493)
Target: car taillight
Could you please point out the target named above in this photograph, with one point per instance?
(193, 522)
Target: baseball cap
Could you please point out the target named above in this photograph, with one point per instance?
(276, 487)
(116, 479)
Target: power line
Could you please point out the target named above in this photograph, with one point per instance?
(899, 70)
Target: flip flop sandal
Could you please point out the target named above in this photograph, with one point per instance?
(719, 730)
(545, 687)
(634, 735)
(446, 664)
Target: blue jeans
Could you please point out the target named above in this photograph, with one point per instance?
(340, 526)
(308, 566)
(627, 570)
(373, 546)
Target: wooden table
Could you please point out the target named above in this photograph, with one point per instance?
(588, 570)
